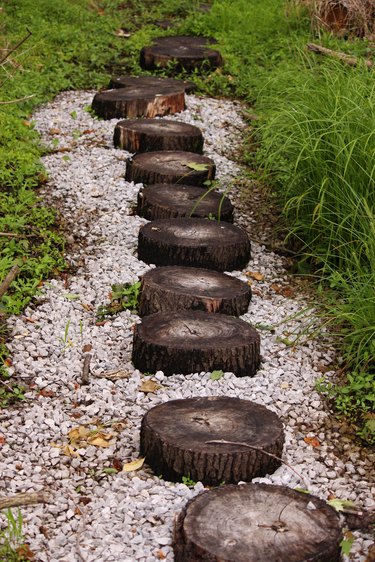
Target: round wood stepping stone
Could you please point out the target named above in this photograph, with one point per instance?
(168, 200)
(150, 81)
(257, 523)
(188, 53)
(190, 342)
(166, 289)
(176, 439)
(139, 101)
(145, 135)
(170, 167)
(194, 243)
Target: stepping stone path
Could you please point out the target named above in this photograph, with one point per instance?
(170, 167)
(168, 200)
(146, 135)
(194, 341)
(187, 53)
(166, 289)
(257, 523)
(200, 437)
(212, 440)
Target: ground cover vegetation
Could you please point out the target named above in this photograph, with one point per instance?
(314, 133)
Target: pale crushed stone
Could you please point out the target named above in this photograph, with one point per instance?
(129, 517)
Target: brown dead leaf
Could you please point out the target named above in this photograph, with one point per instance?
(25, 553)
(76, 415)
(2, 440)
(160, 555)
(47, 393)
(86, 348)
(79, 433)
(87, 307)
(133, 465)
(77, 511)
(255, 275)
(69, 451)
(313, 441)
(8, 362)
(88, 131)
(54, 131)
(149, 386)
(117, 464)
(283, 290)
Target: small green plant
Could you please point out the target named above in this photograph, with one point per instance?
(216, 375)
(188, 481)
(11, 538)
(123, 297)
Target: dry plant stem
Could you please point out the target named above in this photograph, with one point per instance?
(10, 277)
(7, 386)
(13, 49)
(239, 443)
(26, 498)
(13, 235)
(86, 368)
(17, 100)
(352, 61)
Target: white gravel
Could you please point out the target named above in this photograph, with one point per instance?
(127, 517)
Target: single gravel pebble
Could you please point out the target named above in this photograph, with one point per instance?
(99, 512)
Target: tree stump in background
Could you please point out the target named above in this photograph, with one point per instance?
(146, 135)
(257, 523)
(139, 102)
(165, 201)
(187, 53)
(194, 243)
(176, 440)
(170, 167)
(150, 82)
(167, 289)
(190, 342)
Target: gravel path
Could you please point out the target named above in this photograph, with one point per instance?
(98, 515)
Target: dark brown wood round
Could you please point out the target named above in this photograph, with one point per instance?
(150, 81)
(167, 289)
(194, 243)
(167, 200)
(170, 167)
(177, 440)
(146, 135)
(257, 523)
(190, 342)
(139, 102)
(187, 53)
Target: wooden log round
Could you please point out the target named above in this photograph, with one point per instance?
(167, 289)
(146, 135)
(194, 243)
(165, 201)
(188, 53)
(139, 102)
(150, 81)
(177, 440)
(193, 341)
(257, 523)
(170, 167)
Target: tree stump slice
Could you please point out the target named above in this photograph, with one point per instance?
(165, 201)
(167, 289)
(186, 342)
(169, 167)
(139, 102)
(176, 436)
(146, 135)
(150, 82)
(188, 53)
(194, 243)
(257, 523)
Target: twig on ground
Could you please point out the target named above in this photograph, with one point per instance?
(25, 498)
(17, 100)
(17, 46)
(7, 386)
(348, 59)
(240, 443)
(10, 277)
(86, 368)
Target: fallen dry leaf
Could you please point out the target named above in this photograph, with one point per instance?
(313, 441)
(160, 555)
(87, 307)
(149, 386)
(86, 348)
(282, 290)
(100, 439)
(2, 440)
(255, 275)
(77, 511)
(25, 553)
(69, 451)
(54, 131)
(133, 465)
(113, 375)
(47, 393)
